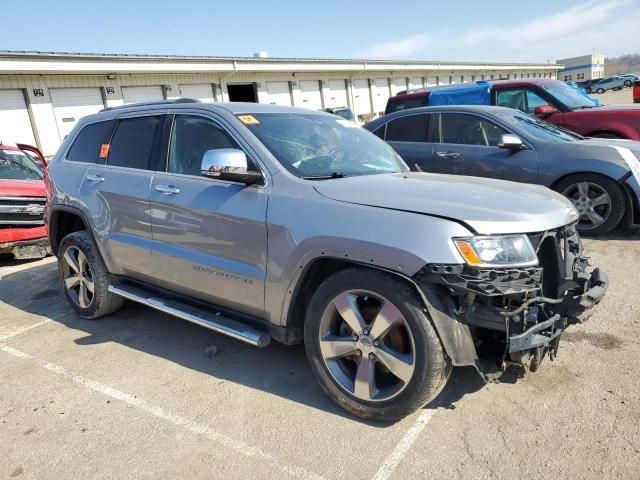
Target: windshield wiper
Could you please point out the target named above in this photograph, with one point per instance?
(325, 177)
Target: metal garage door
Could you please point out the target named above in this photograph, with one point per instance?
(279, 93)
(361, 99)
(337, 94)
(380, 94)
(202, 92)
(310, 94)
(432, 81)
(142, 94)
(71, 104)
(467, 78)
(416, 82)
(398, 85)
(443, 80)
(15, 126)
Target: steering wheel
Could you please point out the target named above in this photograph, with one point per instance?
(319, 165)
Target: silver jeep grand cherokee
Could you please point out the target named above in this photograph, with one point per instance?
(258, 221)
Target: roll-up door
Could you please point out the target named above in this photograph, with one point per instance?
(361, 98)
(71, 104)
(279, 93)
(142, 94)
(15, 125)
(200, 91)
(310, 94)
(337, 94)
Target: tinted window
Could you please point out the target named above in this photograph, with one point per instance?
(86, 146)
(133, 141)
(191, 138)
(411, 128)
(459, 128)
(397, 104)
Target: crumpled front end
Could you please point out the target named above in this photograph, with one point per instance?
(493, 317)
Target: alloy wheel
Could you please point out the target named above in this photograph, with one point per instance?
(77, 277)
(367, 345)
(592, 202)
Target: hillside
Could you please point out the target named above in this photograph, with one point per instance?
(623, 64)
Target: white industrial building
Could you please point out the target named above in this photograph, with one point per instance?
(585, 67)
(42, 95)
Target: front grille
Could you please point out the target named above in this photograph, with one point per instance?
(22, 211)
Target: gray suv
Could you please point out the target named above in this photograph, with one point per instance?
(261, 222)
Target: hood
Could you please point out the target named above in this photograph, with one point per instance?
(22, 188)
(485, 205)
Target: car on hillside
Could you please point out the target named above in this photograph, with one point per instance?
(22, 200)
(586, 84)
(629, 78)
(258, 221)
(550, 100)
(600, 177)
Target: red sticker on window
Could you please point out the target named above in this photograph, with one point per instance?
(104, 150)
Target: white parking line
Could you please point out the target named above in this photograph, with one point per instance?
(22, 330)
(406, 442)
(162, 414)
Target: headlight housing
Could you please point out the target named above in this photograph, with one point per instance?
(497, 251)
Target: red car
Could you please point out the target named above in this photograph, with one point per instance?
(551, 100)
(636, 92)
(22, 200)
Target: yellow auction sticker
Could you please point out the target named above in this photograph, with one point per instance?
(248, 119)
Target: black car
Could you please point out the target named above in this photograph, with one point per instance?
(600, 176)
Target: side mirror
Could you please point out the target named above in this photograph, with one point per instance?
(511, 142)
(228, 164)
(544, 110)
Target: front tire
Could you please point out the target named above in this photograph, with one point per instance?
(600, 90)
(599, 200)
(85, 279)
(372, 346)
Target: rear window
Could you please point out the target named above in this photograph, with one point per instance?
(397, 104)
(133, 141)
(410, 128)
(86, 146)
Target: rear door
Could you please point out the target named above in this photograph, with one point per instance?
(469, 146)
(116, 193)
(409, 136)
(209, 235)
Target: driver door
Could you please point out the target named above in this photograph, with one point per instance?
(209, 235)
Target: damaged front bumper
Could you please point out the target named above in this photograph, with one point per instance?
(490, 318)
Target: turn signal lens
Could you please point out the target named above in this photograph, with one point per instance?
(467, 252)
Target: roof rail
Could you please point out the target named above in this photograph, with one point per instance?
(155, 102)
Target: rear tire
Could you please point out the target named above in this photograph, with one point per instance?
(599, 199)
(84, 276)
(360, 375)
(600, 90)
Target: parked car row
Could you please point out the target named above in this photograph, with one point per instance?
(615, 82)
(550, 100)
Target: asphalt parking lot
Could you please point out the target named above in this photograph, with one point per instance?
(615, 97)
(135, 396)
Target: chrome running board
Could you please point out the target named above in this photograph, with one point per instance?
(213, 321)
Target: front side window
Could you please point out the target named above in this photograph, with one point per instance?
(317, 146)
(191, 137)
(411, 128)
(133, 141)
(15, 165)
(521, 99)
(464, 129)
(86, 147)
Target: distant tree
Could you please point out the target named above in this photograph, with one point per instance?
(623, 64)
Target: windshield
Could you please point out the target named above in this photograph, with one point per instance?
(15, 165)
(322, 146)
(570, 96)
(537, 128)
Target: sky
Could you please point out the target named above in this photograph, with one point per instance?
(451, 30)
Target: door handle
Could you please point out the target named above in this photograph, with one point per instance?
(95, 178)
(448, 154)
(167, 189)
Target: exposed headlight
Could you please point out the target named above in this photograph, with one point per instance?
(498, 251)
